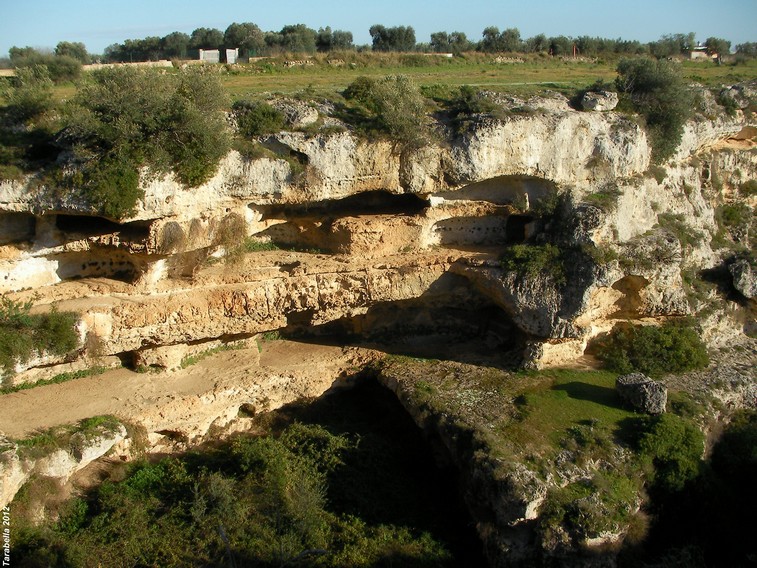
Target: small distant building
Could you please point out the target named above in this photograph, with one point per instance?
(699, 53)
(210, 55)
(232, 55)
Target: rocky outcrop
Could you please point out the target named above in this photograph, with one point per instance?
(744, 278)
(17, 464)
(599, 101)
(642, 393)
(490, 187)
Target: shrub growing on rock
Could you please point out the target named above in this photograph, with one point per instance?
(534, 260)
(22, 334)
(126, 119)
(674, 447)
(658, 92)
(257, 118)
(392, 106)
(674, 347)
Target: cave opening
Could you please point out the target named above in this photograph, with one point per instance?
(17, 227)
(96, 264)
(366, 203)
(90, 226)
(452, 321)
(396, 475)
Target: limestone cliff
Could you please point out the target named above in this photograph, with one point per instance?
(390, 223)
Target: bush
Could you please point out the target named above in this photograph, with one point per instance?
(658, 93)
(61, 68)
(674, 347)
(674, 447)
(392, 106)
(125, 119)
(31, 94)
(535, 260)
(22, 334)
(257, 118)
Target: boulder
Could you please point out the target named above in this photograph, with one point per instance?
(599, 101)
(642, 393)
(744, 278)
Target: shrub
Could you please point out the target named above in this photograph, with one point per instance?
(23, 334)
(674, 447)
(125, 119)
(676, 225)
(392, 106)
(535, 260)
(61, 68)
(748, 188)
(658, 92)
(674, 347)
(31, 94)
(257, 118)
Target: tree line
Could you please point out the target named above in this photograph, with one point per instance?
(299, 38)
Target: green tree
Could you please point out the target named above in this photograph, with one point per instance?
(659, 93)
(332, 41)
(560, 45)
(399, 38)
(718, 46)
(748, 49)
(673, 44)
(31, 94)
(206, 38)
(247, 36)
(76, 50)
(491, 40)
(61, 68)
(175, 44)
(510, 40)
(537, 44)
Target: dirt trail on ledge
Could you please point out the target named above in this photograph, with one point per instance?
(189, 400)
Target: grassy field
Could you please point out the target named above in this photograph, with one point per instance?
(527, 77)
(534, 74)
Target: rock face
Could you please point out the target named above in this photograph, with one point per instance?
(59, 463)
(744, 278)
(599, 101)
(341, 239)
(642, 393)
(390, 225)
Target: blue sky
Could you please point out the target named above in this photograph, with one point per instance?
(99, 23)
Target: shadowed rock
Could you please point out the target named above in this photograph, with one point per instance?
(642, 393)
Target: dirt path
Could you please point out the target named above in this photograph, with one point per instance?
(187, 401)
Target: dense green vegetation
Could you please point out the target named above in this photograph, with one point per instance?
(673, 347)
(392, 106)
(659, 93)
(252, 41)
(535, 260)
(23, 334)
(706, 521)
(125, 119)
(339, 482)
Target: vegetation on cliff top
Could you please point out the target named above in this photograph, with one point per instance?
(126, 119)
(23, 334)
